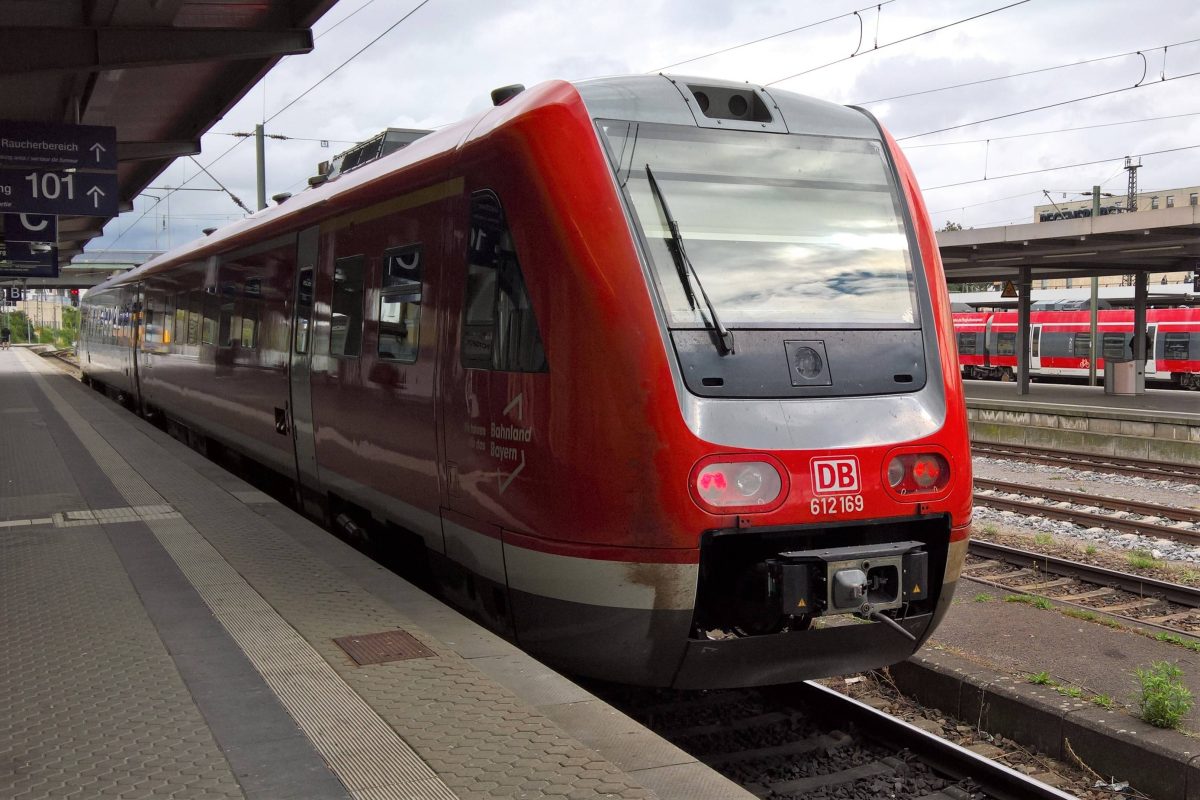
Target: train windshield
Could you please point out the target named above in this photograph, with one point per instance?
(783, 230)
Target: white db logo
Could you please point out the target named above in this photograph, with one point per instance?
(834, 475)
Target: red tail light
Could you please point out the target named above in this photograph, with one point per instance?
(727, 484)
(918, 473)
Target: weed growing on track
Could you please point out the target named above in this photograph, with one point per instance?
(1041, 679)
(1164, 701)
(1141, 559)
(1044, 539)
(984, 597)
(1104, 701)
(1091, 550)
(1091, 616)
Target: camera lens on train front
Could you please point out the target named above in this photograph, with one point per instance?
(750, 481)
(807, 361)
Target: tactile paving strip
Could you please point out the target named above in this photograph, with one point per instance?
(363, 751)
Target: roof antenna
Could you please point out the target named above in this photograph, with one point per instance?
(505, 93)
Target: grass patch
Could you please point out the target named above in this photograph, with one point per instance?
(1164, 700)
(984, 597)
(1141, 559)
(1044, 539)
(1091, 550)
(1030, 600)
(1171, 638)
(1091, 616)
(1041, 679)
(1104, 701)
(1070, 691)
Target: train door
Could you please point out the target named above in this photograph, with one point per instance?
(137, 335)
(1151, 368)
(298, 415)
(1035, 348)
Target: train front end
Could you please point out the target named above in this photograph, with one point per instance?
(817, 416)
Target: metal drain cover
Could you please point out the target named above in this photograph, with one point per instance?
(378, 648)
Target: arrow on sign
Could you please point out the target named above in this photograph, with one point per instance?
(95, 193)
(97, 148)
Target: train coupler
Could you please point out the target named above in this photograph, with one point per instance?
(862, 580)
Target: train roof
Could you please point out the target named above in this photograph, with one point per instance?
(642, 98)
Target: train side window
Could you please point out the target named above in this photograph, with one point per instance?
(304, 302)
(346, 318)
(168, 320)
(208, 329)
(1175, 346)
(1081, 345)
(1006, 344)
(251, 302)
(400, 304)
(1114, 345)
(966, 344)
(195, 312)
(500, 330)
(228, 327)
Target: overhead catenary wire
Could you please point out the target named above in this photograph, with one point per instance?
(1023, 74)
(1061, 166)
(774, 35)
(1047, 106)
(240, 141)
(879, 47)
(1052, 131)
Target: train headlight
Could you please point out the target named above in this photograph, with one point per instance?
(735, 483)
(918, 473)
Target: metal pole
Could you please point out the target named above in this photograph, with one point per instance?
(1024, 288)
(1140, 281)
(1095, 293)
(261, 154)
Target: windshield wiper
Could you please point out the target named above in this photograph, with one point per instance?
(687, 272)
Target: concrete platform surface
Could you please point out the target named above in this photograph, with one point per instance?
(169, 633)
(1043, 395)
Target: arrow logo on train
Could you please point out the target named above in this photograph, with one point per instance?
(504, 482)
(518, 402)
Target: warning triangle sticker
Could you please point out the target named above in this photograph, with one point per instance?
(916, 589)
(801, 604)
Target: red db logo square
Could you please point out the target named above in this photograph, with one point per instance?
(834, 475)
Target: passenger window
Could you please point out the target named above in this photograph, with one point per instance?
(168, 321)
(195, 308)
(346, 318)
(966, 344)
(229, 324)
(500, 330)
(400, 304)
(1175, 346)
(1082, 345)
(250, 307)
(1114, 345)
(1006, 344)
(208, 331)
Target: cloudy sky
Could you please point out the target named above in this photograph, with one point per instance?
(440, 64)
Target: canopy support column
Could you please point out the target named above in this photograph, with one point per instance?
(1024, 289)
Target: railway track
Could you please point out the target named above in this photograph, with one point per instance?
(1144, 468)
(1161, 605)
(1092, 510)
(804, 740)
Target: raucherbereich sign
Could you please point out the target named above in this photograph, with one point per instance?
(52, 146)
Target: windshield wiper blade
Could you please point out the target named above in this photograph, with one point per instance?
(687, 272)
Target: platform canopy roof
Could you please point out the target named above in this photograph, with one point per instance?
(1165, 240)
(162, 72)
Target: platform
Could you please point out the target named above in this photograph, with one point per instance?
(1161, 425)
(169, 633)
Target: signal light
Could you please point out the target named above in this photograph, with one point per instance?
(74, 298)
(726, 484)
(918, 473)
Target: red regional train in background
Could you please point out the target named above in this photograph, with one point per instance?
(1060, 343)
(659, 373)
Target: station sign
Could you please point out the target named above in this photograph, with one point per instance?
(42, 228)
(12, 295)
(30, 191)
(26, 260)
(52, 146)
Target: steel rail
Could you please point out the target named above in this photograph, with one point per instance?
(1093, 520)
(1148, 509)
(1090, 461)
(992, 777)
(1127, 582)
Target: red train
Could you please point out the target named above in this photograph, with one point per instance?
(658, 371)
(1060, 343)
